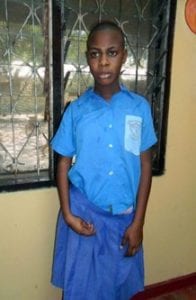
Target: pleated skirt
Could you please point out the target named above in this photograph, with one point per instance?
(95, 267)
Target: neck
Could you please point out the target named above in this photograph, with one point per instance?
(107, 92)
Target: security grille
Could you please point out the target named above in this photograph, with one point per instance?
(31, 102)
(148, 27)
(24, 152)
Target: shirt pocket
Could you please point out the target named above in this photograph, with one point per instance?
(132, 138)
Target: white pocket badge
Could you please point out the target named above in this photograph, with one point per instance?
(133, 125)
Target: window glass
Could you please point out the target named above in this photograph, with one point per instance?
(148, 27)
(43, 67)
(24, 154)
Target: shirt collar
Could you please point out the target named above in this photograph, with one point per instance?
(123, 89)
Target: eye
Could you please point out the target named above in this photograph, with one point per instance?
(93, 54)
(112, 53)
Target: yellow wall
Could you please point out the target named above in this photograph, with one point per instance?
(27, 226)
(28, 218)
(170, 232)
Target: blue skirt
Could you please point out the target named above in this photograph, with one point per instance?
(95, 267)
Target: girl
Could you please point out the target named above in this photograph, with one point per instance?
(103, 195)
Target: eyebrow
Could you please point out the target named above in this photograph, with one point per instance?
(98, 49)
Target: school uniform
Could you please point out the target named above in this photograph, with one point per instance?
(106, 139)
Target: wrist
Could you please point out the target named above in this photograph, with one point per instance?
(68, 217)
(138, 223)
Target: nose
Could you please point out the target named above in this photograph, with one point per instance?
(103, 61)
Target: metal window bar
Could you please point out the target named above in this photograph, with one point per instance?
(31, 106)
(25, 84)
(148, 27)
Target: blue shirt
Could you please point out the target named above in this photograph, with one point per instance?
(106, 137)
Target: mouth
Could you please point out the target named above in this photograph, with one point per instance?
(104, 75)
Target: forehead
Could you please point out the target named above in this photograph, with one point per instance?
(105, 38)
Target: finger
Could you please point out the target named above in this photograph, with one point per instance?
(90, 230)
(87, 232)
(87, 226)
(131, 251)
(124, 241)
(87, 229)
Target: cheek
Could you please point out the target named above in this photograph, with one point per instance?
(118, 66)
(93, 66)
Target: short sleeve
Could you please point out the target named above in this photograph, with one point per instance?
(63, 141)
(148, 138)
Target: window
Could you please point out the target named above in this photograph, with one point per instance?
(24, 93)
(148, 26)
(43, 67)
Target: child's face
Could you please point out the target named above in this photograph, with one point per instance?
(105, 56)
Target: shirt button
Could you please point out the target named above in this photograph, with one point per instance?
(111, 173)
(110, 125)
(110, 146)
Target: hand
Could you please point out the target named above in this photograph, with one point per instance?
(80, 226)
(133, 237)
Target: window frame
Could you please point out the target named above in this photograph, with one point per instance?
(58, 26)
(56, 61)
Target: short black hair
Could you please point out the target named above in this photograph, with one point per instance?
(105, 25)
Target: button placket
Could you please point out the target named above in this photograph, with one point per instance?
(110, 173)
(110, 144)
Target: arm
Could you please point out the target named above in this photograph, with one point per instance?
(76, 223)
(63, 166)
(134, 234)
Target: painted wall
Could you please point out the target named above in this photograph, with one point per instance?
(170, 232)
(27, 227)
(28, 218)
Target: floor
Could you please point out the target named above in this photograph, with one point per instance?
(188, 293)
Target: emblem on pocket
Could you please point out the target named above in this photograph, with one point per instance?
(133, 134)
